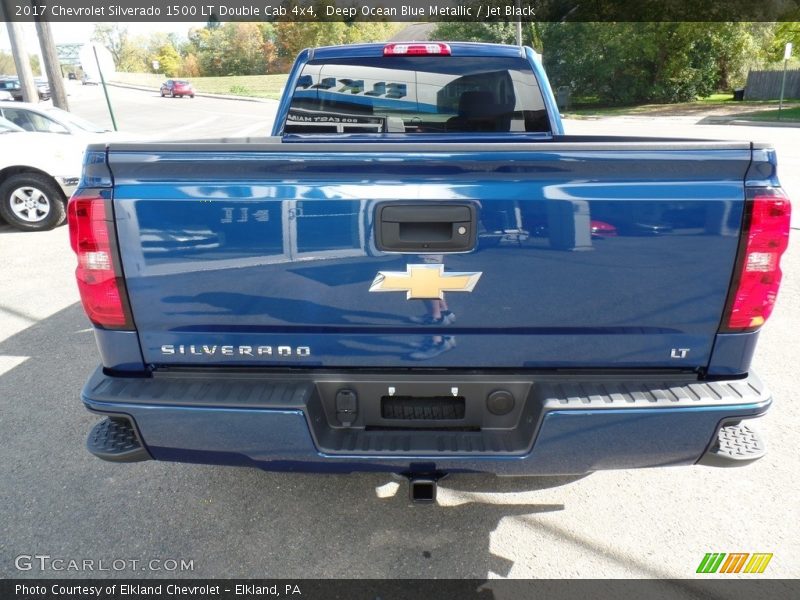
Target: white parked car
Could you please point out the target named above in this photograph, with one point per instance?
(38, 173)
(49, 119)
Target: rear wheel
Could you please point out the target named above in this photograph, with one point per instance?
(174, 95)
(31, 202)
(162, 93)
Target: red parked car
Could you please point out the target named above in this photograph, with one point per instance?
(177, 88)
(601, 229)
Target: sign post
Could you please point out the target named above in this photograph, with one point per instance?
(97, 63)
(787, 54)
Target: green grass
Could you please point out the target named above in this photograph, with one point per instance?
(599, 111)
(701, 104)
(589, 105)
(786, 102)
(582, 108)
(789, 114)
(716, 98)
(256, 86)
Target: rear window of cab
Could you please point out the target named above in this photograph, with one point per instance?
(417, 94)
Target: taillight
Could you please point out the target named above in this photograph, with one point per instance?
(100, 282)
(421, 49)
(758, 271)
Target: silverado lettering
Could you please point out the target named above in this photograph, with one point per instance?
(214, 350)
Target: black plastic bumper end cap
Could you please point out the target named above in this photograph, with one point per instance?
(116, 441)
(737, 445)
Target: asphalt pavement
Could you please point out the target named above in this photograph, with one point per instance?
(59, 501)
(144, 113)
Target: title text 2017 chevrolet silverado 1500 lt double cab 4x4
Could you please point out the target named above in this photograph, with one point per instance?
(420, 273)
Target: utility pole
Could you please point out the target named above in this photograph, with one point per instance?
(29, 91)
(519, 24)
(52, 65)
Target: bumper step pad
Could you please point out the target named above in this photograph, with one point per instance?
(737, 444)
(116, 441)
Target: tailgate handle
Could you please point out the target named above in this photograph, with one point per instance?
(424, 227)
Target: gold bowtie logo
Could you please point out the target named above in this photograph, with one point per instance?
(424, 282)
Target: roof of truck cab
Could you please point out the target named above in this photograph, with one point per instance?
(376, 50)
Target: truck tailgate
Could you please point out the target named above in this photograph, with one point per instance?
(585, 255)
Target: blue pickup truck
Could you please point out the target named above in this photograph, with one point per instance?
(420, 273)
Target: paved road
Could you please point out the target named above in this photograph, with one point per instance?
(146, 113)
(59, 501)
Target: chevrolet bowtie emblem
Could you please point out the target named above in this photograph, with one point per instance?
(424, 282)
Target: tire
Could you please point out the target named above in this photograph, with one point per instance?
(32, 202)
(173, 95)
(162, 93)
(191, 96)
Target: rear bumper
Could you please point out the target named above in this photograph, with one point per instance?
(560, 426)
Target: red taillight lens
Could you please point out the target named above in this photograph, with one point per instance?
(758, 270)
(100, 281)
(429, 49)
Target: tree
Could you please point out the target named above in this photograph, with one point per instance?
(483, 31)
(292, 37)
(7, 64)
(205, 44)
(128, 54)
(737, 47)
(369, 31)
(244, 45)
(169, 60)
(783, 33)
(190, 66)
(114, 37)
(232, 48)
(36, 66)
(625, 63)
